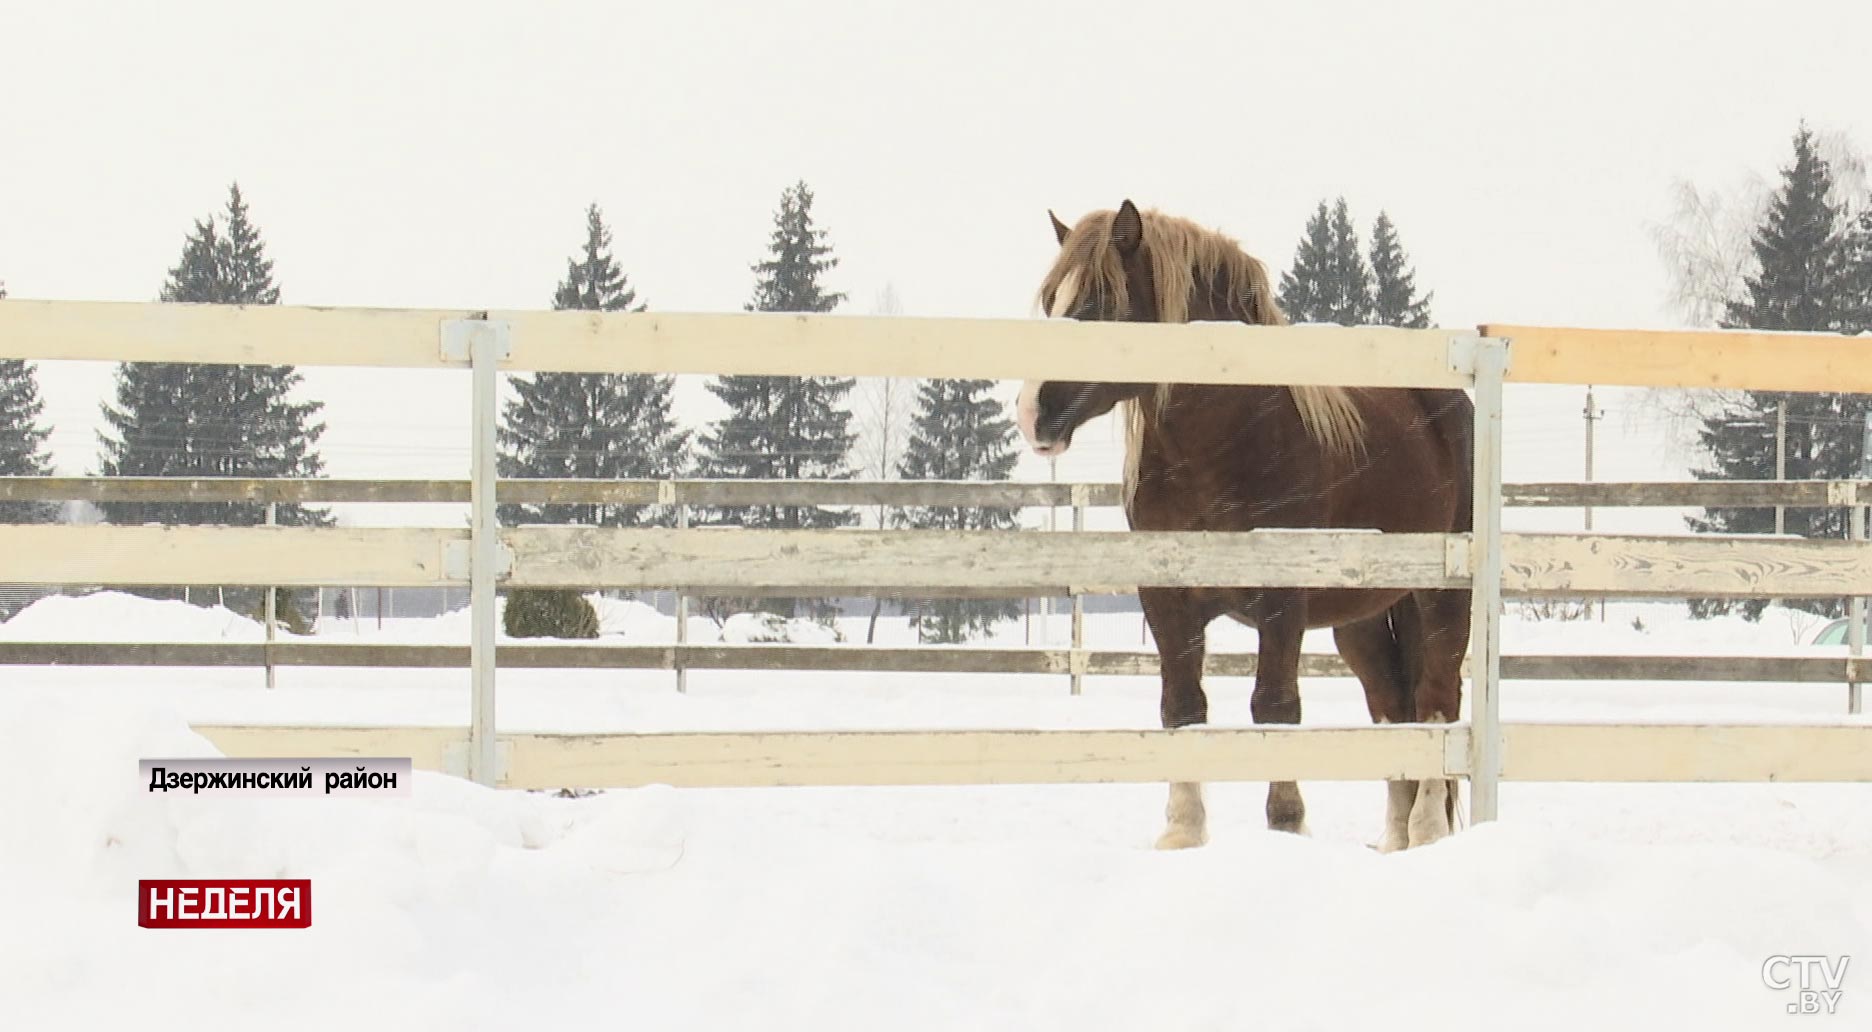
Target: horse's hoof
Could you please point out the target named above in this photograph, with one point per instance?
(1181, 838)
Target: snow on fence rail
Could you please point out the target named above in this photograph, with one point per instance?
(1486, 560)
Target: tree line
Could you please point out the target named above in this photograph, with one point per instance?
(201, 420)
(1810, 269)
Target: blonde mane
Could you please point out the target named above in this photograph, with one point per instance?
(1184, 256)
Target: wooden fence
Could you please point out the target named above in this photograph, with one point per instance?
(1486, 560)
(1074, 662)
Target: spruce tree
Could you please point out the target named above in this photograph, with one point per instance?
(22, 437)
(198, 420)
(1329, 281)
(588, 426)
(1303, 288)
(1859, 275)
(1804, 281)
(960, 432)
(601, 426)
(1395, 301)
(785, 427)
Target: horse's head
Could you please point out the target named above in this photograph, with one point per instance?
(1103, 273)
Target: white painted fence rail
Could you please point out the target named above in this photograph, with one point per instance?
(1479, 749)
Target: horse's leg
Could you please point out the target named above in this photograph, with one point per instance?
(1370, 648)
(1281, 623)
(1178, 625)
(1443, 638)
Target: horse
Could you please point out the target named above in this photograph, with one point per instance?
(1236, 458)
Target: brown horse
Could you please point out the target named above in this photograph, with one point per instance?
(1231, 458)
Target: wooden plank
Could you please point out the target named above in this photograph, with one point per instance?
(1009, 349)
(148, 654)
(737, 343)
(1695, 493)
(1113, 560)
(172, 555)
(808, 562)
(235, 489)
(1683, 567)
(1722, 359)
(977, 757)
(148, 331)
(905, 493)
(1608, 753)
(874, 659)
(1002, 349)
(1714, 669)
(894, 592)
(869, 658)
(960, 493)
(1687, 752)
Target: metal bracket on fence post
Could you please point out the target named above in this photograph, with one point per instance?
(1490, 359)
(482, 343)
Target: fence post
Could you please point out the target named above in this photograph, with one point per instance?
(1081, 498)
(272, 518)
(483, 344)
(1856, 620)
(682, 613)
(1485, 565)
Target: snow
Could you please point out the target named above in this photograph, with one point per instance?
(1643, 906)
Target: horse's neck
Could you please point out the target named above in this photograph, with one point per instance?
(1166, 428)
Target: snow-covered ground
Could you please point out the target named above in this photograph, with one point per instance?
(1636, 906)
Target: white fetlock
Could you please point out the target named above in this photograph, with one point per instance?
(1400, 796)
(1429, 819)
(1188, 821)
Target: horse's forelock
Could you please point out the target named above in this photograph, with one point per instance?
(1087, 266)
(1066, 295)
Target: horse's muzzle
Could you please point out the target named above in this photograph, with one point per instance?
(1046, 441)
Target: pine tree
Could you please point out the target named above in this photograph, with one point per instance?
(960, 433)
(1804, 281)
(602, 426)
(1395, 301)
(22, 437)
(191, 420)
(784, 427)
(1329, 281)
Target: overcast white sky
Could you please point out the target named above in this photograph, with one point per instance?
(440, 154)
(400, 154)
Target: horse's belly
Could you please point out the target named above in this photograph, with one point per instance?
(1325, 607)
(1328, 607)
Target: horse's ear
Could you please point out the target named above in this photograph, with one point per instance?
(1059, 228)
(1127, 230)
